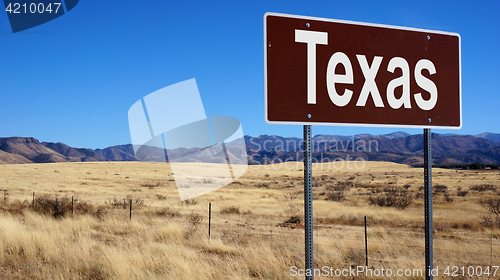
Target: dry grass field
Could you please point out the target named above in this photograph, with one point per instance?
(256, 230)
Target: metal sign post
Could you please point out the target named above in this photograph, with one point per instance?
(428, 203)
(308, 207)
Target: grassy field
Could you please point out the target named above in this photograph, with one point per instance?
(256, 230)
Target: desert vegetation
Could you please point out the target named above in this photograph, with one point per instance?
(78, 225)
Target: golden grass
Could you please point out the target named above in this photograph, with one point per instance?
(162, 241)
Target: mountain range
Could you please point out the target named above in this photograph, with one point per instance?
(400, 147)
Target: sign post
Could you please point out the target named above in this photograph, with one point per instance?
(308, 201)
(331, 72)
(428, 203)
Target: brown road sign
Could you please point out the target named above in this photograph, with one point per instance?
(331, 72)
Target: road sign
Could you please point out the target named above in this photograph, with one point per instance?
(331, 72)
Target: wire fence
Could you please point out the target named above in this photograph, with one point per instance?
(373, 243)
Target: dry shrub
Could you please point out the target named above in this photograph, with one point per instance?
(161, 196)
(230, 210)
(125, 203)
(490, 222)
(338, 196)
(438, 188)
(392, 197)
(355, 257)
(462, 193)
(60, 207)
(483, 187)
(491, 204)
(295, 219)
(168, 212)
(14, 206)
(194, 220)
(190, 201)
(342, 186)
(447, 197)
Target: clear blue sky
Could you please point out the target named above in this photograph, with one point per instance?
(73, 79)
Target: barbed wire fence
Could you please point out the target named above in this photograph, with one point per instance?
(373, 244)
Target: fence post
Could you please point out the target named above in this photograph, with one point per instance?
(271, 231)
(33, 204)
(209, 218)
(72, 206)
(4, 194)
(366, 245)
(131, 209)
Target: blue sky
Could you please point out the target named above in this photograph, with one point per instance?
(73, 79)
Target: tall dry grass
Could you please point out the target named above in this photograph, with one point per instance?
(165, 240)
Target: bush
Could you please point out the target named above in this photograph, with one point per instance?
(392, 197)
(354, 257)
(295, 219)
(230, 210)
(447, 197)
(492, 205)
(190, 201)
(167, 212)
(475, 166)
(125, 203)
(440, 188)
(60, 207)
(483, 187)
(161, 196)
(462, 193)
(194, 220)
(338, 196)
(490, 222)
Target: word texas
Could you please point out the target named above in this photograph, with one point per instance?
(313, 38)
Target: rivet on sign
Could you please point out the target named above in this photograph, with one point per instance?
(307, 24)
(429, 119)
(269, 44)
(308, 116)
(428, 37)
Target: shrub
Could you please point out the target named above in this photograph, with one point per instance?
(338, 196)
(462, 193)
(194, 220)
(483, 187)
(190, 201)
(60, 207)
(475, 166)
(125, 203)
(342, 186)
(492, 205)
(440, 188)
(295, 219)
(230, 210)
(354, 257)
(161, 196)
(447, 197)
(167, 212)
(490, 222)
(392, 197)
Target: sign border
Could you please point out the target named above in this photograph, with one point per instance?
(363, 24)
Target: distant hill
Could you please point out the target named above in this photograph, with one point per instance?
(73, 154)
(446, 150)
(400, 147)
(495, 137)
